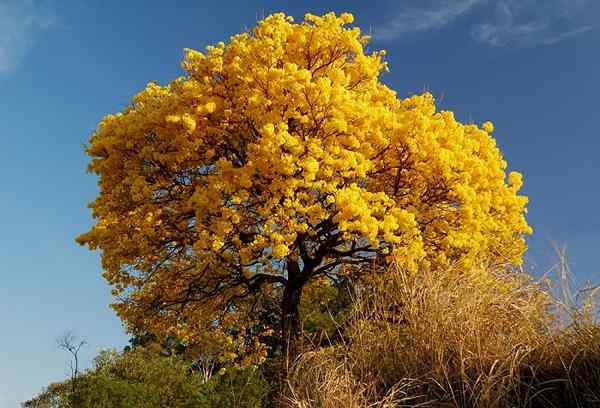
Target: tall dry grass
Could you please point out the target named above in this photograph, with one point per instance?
(489, 337)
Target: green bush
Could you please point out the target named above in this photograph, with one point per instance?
(144, 378)
(245, 388)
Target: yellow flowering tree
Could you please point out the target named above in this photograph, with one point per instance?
(275, 160)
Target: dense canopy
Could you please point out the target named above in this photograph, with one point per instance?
(275, 159)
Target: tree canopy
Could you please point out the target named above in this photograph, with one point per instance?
(276, 159)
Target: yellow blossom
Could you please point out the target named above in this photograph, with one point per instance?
(488, 126)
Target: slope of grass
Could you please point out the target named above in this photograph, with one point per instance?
(490, 338)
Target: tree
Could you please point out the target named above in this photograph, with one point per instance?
(70, 344)
(278, 159)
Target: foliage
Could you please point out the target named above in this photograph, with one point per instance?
(245, 388)
(277, 159)
(55, 395)
(325, 308)
(145, 378)
(141, 377)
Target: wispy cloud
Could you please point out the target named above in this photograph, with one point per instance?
(532, 22)
(414, 18)
(493, 22)
(567, 34)
(21, 24)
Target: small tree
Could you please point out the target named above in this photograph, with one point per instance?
(276, 160)
(72, 345)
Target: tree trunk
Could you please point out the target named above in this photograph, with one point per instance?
(290, 323)
(290, 319)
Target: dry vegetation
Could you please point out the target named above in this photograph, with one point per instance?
(457, 338)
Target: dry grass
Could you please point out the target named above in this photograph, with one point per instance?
(456, 338)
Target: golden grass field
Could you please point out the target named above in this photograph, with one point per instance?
(493, 338)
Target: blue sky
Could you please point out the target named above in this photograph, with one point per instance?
(530, 66)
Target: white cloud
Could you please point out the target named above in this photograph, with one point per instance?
(532, 22)
(567, 34)
(419, 18)
(493, 22)
(21, 24)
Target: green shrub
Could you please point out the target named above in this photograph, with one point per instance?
(245, 388)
